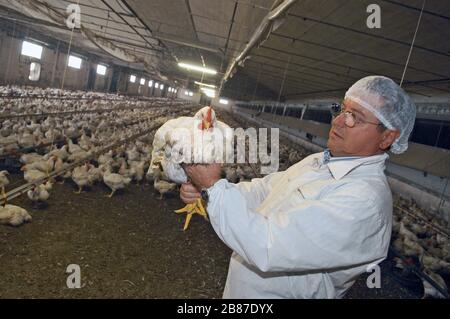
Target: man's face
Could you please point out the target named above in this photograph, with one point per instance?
(363, 139)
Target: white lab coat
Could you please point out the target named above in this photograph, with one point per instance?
(307, 232)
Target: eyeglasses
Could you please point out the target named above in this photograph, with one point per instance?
(351, 120)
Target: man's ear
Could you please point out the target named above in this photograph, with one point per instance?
(388, 137)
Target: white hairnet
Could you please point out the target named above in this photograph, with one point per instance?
(389, 103)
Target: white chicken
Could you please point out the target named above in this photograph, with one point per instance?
(31, 175)
(60, 153)
(13, 215)
(60, 165)
(200, 139)
(40, 193)
(95, 174)
(78, 156)
(4, 181)
(45, 166)
(85, 143)
(114, 181)
(105, 158)
(125, 171)
(73, 148)
(81, 177)
(139, 170)
(162, 186)
(30, 158)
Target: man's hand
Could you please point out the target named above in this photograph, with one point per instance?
(203, 176)
(188, 193)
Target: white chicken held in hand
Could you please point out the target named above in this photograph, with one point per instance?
(200, 139)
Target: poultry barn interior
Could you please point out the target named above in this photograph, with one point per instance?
(85, 85)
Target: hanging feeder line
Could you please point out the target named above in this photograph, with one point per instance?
(68, 53)
(412, 43)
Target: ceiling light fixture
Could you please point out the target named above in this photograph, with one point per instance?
(197, 68)
(204, 84)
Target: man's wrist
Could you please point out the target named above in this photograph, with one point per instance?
(206, 191)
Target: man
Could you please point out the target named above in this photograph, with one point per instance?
(310, 231)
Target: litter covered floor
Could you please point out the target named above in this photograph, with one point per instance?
(129, 246)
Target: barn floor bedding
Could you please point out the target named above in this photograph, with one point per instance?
(128, 246)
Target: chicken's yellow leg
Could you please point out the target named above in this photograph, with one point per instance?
(187, 221)
(200, 209)
(190, 209)
(80, 189)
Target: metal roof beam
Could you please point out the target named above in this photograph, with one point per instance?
(329, 24)
(417, 9)
(124, 20)
(293, 39)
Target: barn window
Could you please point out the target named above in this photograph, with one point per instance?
(101, 69)
(31, 50)
(74, 62)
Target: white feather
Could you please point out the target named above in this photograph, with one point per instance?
(181, 140)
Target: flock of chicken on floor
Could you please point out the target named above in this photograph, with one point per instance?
(85, 133)
(91, 131)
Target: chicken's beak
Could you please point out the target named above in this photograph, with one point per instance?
(206, 124)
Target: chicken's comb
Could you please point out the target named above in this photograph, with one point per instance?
(209, 115)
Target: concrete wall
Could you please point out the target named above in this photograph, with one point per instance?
(102, 82)
(15, 69)
(53, 64)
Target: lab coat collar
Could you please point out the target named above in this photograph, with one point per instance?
(341, 166)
